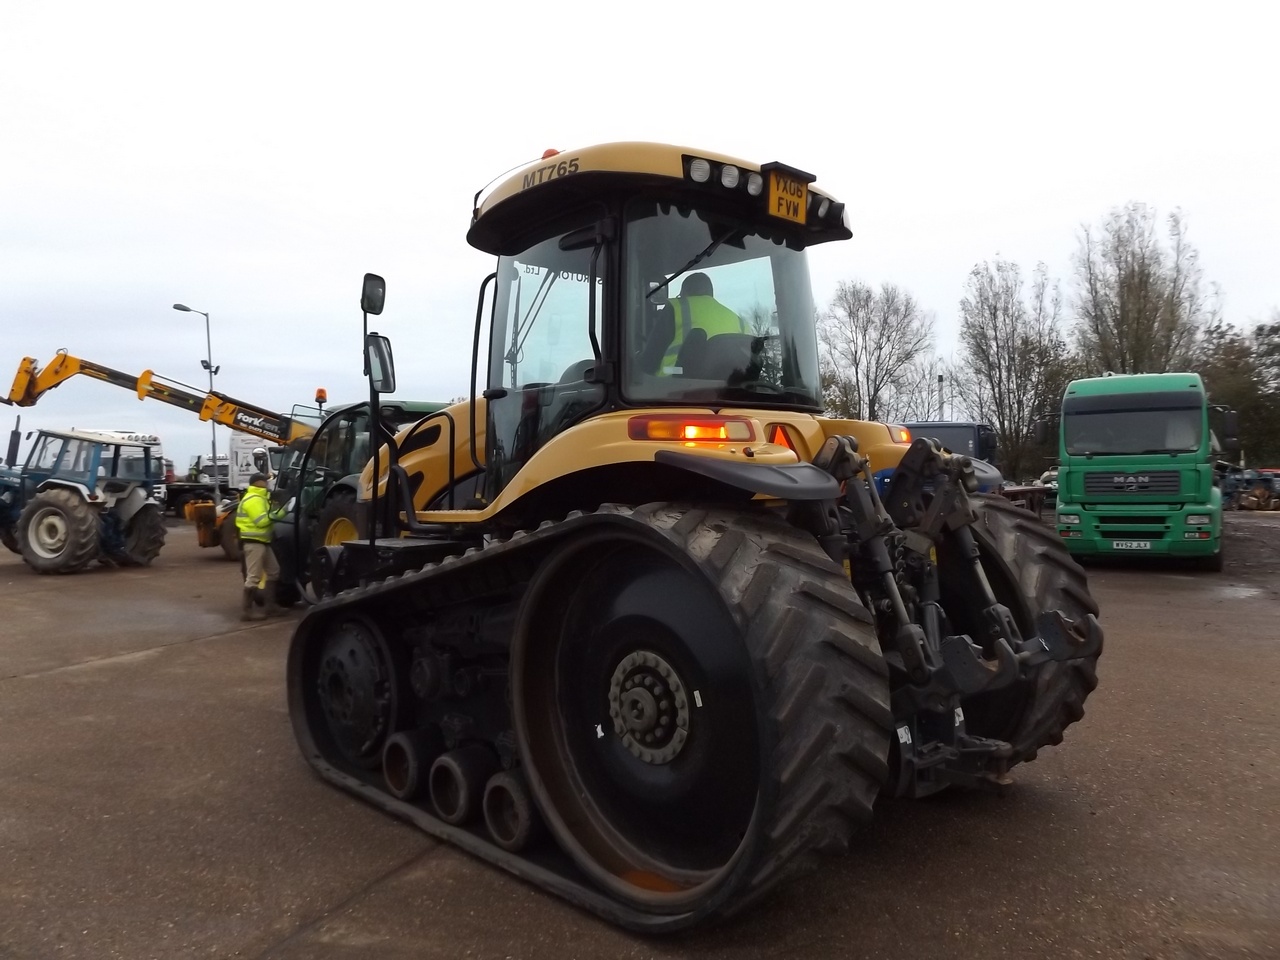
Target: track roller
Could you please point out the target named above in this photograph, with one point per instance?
(457, 782)
(407, 759)
(509, 812)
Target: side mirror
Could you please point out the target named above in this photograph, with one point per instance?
(1230, 425)
(987, 446)
(1231, 446)
(374, 294)
(1040, 432)
(382, 370)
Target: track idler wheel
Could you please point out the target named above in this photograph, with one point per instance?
(457, 782)
(407, 760)
(355, 687)
(509, 812)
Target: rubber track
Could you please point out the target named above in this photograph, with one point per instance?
(148, 540)
(1033, 557)
(825, 689)
(82, 521)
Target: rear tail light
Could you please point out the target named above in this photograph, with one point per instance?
(685, 429)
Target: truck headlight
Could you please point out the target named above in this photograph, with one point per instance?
(1197, 518)
(1071, 518)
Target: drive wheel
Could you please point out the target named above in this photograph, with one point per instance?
(58, 532)
(337, 521)
(144, 536)
(699, 705)
(1030, 572)
(354, 691)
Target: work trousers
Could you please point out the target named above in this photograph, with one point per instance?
(258, 558)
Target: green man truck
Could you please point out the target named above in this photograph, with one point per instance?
(1137, 468)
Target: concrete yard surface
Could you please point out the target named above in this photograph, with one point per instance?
(153, 802)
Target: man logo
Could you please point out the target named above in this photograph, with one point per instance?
(1130, 483)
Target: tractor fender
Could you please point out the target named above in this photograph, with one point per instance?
(130, 503)
(786, 481)
(53, 484)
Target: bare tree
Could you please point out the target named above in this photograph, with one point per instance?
(869, 339)
(1016, 363)
(1139, 304)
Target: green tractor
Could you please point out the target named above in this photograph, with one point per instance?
(79, 497)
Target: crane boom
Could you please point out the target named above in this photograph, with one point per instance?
(31, 382)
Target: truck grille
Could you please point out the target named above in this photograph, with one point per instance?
(1138, 481)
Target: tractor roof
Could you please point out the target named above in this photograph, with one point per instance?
(93, 436)
(503, 216)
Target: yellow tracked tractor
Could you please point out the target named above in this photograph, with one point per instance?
(638, 624)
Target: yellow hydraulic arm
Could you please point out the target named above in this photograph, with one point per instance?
(32, 382)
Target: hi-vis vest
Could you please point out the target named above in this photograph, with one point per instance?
(705, 313)
(253, 515)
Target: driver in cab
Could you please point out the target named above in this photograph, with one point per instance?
(697, 309)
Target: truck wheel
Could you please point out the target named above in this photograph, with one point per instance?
(1030, 572)
(337, 521)
(58, 532)
(143, 537)
(229, 539)
(178, 505)
(1214, 562)
(10, 539)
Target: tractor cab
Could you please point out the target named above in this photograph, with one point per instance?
(646, 276)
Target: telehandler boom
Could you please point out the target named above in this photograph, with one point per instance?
(31, 382)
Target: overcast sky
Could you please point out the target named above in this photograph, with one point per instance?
(255, 160)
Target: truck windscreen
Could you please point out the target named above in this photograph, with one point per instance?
(1110, 432)
(956, 439)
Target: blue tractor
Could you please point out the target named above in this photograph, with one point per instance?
(79, 497)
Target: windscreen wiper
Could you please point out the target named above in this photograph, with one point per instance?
(706, 252)
(521, 332)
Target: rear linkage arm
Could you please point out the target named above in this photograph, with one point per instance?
(927, 498)
(939, 667)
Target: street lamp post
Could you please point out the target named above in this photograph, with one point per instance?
(208, 365)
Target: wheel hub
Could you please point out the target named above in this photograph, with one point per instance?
(354, 692)
(50, 534)
(649, 707)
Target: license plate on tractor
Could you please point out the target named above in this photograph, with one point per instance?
(1131, 544)
(788, 197)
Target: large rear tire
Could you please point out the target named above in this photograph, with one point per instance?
(1031, 573)
(700, 706)
(229, 539)
(144, 536)
(58, 532)
(337, 521)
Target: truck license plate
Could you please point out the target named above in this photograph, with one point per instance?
(1131, 544)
